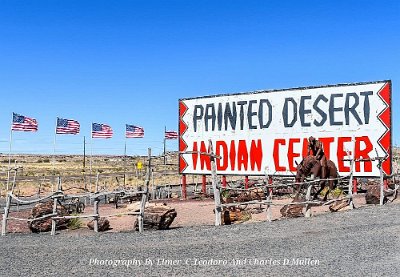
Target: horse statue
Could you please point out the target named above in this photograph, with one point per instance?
(311, 167)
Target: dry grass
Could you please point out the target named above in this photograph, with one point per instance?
(34, 171)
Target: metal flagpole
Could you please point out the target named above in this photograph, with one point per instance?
(84, 153)
(91, 157)
(9, 152)
(54, 147)
(84, 164)
(125, 162)
(54, 156)
(165, 157)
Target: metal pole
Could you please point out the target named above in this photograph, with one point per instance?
(355, 185)
(91, 158)
(125, 163)
(84, 153)
(270, 182)
(54, 150)
(165, 157)
(224, 181)
(9, 153)
(204, 185)
(54, 145)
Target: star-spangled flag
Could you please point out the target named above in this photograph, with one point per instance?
(171, 135)
(24, 123)
(101, 131)
(67, 126)
(133, 131)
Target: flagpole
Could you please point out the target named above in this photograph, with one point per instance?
(165, 157)
(54, 147)
(84, 153)
(9, 152)
(125, 161)
(84, 164)
(91, 157)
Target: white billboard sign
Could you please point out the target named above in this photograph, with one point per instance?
(266, 132)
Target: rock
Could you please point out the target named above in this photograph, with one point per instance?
(339, 205)
(157, 218)
(103, 225)
(44, 225)
(293, 210)
(373, 194)
(251, 194)
(230, 216)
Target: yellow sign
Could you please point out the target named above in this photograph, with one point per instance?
(139, 165)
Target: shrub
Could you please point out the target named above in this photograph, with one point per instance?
(75, 223)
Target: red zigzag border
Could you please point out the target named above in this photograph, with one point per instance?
(385, 141)
(182, 143)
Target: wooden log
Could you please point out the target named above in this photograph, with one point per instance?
(139, 223)
(53, 221)
(308, 198)
(293, 210)
(5, 215)
(96, 218)
(157, 218)
(216, 188)
(339, 205)
(230, 216)
(269, 209)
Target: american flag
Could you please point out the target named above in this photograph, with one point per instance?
(171, 135)
(101, 131)
(133, 131)
(67, 126)
(23, 123)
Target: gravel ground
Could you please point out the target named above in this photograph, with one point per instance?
(361, 242)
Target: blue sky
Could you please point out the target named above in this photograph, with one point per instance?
(119, 62)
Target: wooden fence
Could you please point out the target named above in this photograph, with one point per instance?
(269, 201)
(95, 197)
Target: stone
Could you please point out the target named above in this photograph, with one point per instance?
(103, 225)
(339, 205)
(251, 194)
(373, 194)
(230, 216)
(292, 211)
(157, 218)
(44, 225)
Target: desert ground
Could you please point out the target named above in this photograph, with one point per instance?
(33, 179)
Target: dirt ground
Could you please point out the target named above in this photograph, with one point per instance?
(189, 213)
